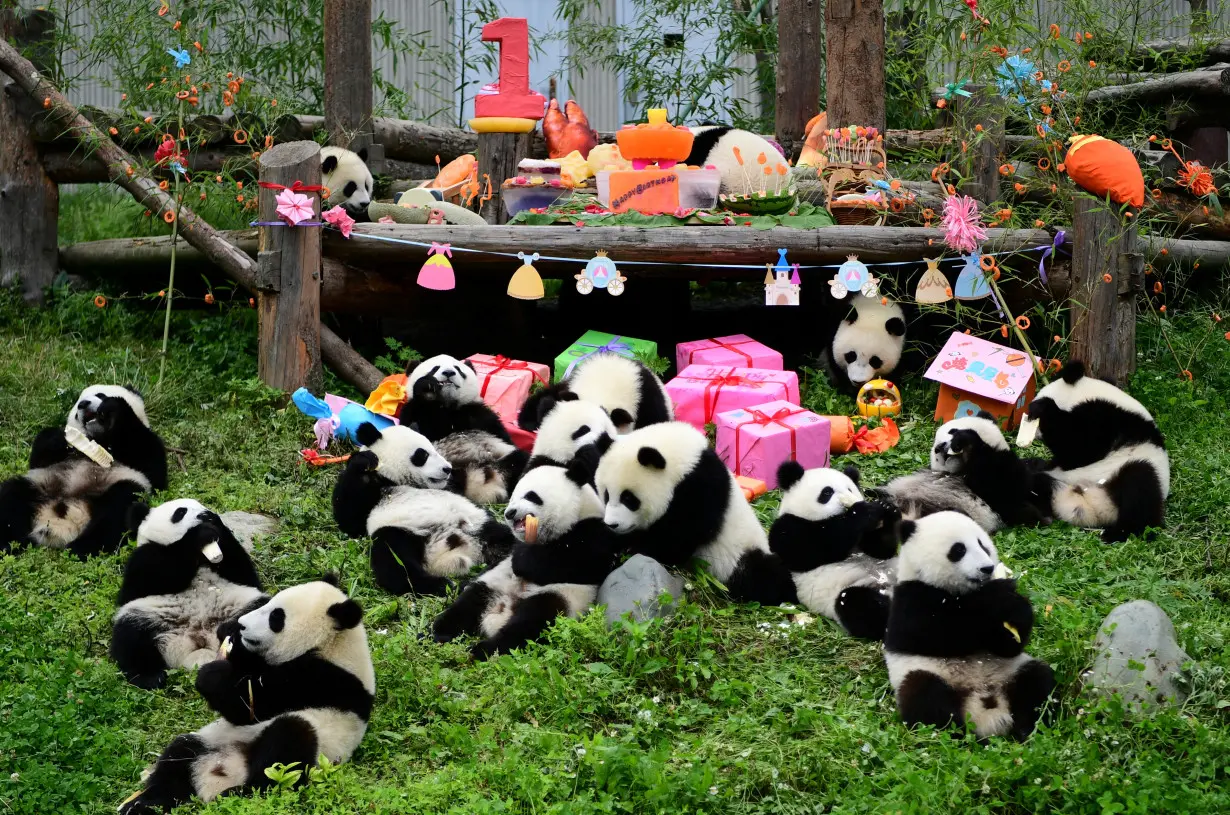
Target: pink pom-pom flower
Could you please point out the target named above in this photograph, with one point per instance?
(963, 229)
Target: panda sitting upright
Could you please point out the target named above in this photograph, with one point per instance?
(631, 394)
(293, 681)
(74, 501)
(838, 547)
(187, 576)
(956, 638)
(868, 344)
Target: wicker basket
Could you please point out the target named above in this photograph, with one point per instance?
(857, 213)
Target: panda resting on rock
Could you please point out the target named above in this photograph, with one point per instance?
(293, 681)
(68, 500)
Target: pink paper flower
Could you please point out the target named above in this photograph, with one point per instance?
(339, 218)
(963, 230)
(294, 206)
(386, 220)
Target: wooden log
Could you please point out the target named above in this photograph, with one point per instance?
(1182, 48)
(1103, 314)
(498, 156)
(74, 167)
(1209, 255)
(288, 277)
(29, 200)
(348, 79)
(854, 55)
(347, 363)
(798, 68)
(1214, 84)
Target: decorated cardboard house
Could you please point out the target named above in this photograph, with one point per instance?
(975, 374)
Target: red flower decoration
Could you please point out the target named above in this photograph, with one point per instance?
(167, 153)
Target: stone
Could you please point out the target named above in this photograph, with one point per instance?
(1138, 656)
(635, 587)
(247, 525)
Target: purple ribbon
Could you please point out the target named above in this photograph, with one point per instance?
(1050, 250)
(283, 223)
(614, 346)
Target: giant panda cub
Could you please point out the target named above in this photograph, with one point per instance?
(631, 394)
(293, 681)
(839, 547)
(955, 645)
(723, 147)
(187, 576)
(868, 343)
(69, 500)
(565, 551)
(445, 406)
(569, 427)
(345, 174)
(973, 471)
(421, 534)
(1109, 468)
(673, 499)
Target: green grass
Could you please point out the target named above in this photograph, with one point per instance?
(719, 709)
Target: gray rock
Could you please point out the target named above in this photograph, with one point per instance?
(1133, 635)
(247, 525)
(635, 587)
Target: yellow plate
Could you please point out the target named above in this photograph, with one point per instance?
(502, 124)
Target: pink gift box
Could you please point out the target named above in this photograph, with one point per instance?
(504, 383)
(755, 441)
(700, 392)
(737, 349)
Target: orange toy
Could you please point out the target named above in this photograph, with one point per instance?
(568, 130)
(656, 141)
(752, 488)
(1105, 167)
(813, 145)
(461, 173)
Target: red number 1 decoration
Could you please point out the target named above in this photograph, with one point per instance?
(513, 97)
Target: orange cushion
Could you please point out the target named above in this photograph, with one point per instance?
(1105, 167)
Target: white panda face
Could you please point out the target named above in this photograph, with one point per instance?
(569, 426)
(84, 415)
(818, 494)
(947, 550)
(407, 458)
(637, 477)
(169, 522)
(346, 175)
(952, 441)
(554, 499)
(298, 620)
(457, 380)
(868, 344)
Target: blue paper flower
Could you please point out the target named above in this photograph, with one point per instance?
(1013, 75)
(181, 57)
(176, 167)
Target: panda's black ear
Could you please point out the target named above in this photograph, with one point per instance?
(328, 165)
(1038, 408)
(906, 529)
(137, 513)
(621, 417)
(788, 474)
(367, 434)
(650, 457)
(895, 326)
(469, 364)
(1072, 372)
(853, 474)
(852, 317)
(982, 414)
(133, 391)
(567, 396)
(362, 154)
(602, 444)
(332, 579)
(346, 614)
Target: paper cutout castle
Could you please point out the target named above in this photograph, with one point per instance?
(781, 282)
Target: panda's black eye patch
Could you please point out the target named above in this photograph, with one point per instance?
(826, 495)
(629, 500)
(101, 395)
(432, 372)
(876, 362)
(851, 356)
(956, 552)
(419, 458)
(580, 432)
(606, 496)
(178, 515)
(985, 548)
(349, 189)
(533, 498)
(277, 620)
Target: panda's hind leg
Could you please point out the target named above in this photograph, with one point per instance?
(108, 522)
(1028, 691)
(532, 616)
(863, 611)
(761, 577)
(397, 563)
(925, 698)
(171, 782)
(465, 614)
(287, 740)
(1137, 495)
(497, 541)
(135, 651)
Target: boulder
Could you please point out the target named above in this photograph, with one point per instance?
(247, 525)
(1138, 655)
(635, 587)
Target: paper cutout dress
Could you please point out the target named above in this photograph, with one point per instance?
(437, 272)
(933, 287)
(526, 283)
(972, 283)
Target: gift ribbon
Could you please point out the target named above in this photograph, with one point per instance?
(503, 363)
(714, 385)
(614, 346)
(728, 347)
(298, 186)
(1050, 250)
(764, 419)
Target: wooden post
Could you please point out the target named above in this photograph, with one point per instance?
(29, 200)
(983, 108)
(798, 70)
(498, 155)
(348, 78)
(288, 274)
(854, 56)
(1102, 314)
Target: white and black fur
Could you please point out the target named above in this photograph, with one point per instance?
(839, 547)
(1109, 468)
(671, 498)
(631, 394)
(421, 535)
(346, 175)
(187, 576)
(950, 648)
(973, 471)
(557, 574)
(296, 684)
(868, 343)
(569, 427)
(715, 145)
(68, 501)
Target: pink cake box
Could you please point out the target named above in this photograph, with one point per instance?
(737, 349)
(505, 383)
(755, 441)
(700, 392)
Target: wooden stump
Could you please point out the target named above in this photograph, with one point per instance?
(798, 70)
(348, 72)
(29, 200)
(288, 275)
(498, 155)
(854, 56)
(1103, 314)
(983, 108)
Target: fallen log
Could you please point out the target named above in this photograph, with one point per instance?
(1215, 83)
(1162, 51)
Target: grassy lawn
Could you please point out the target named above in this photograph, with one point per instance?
(718, 709)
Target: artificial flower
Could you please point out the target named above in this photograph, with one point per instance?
(294, 206)
(339, 218)
(181, 57)
(963, 230)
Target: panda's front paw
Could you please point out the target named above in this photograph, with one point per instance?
(215, 677)
(143, 804)
(425, 389)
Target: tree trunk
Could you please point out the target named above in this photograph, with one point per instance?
(798, 70)
(854, 49)
(1103, 313)
(348, 78)
(498, 156)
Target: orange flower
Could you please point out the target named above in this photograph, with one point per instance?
(936, 172)
(273, 103)
(1003, 331)
(1022, 323)
(123, 97)
(113, 131)
(136, 129)
(163, 9)
(1078, 38)
(255, 155)
(100, 302)
(977, 128)
(193, 100)
(169, 216)
(239, 198)
(1020, 188)
(928, 214)
(228, 98)
(252, 302)
(202, 196)
(182, 95)
(162, 293)
(177, 25)
(1157, 287)
(239, 185)
(1092, 64)
(209, 298)
(1006, 170)
(1165, 251)
(218, 178)
(1076, 120)
(1088, 36)
(1216, 317)
(999, 51)
(1228, 335)
(1057, 338)
(1156, 193)
(986, 263)
(1041, 130)
(198, 46)
(1027, 50)
(1187, 375)
(1038, 224)
(232, 86)
(962, 36)
(150, 85)
(951, 190)
(240, 136)
(269, 141)
(895, 184)
(1106, 278)
(1044, 164)
(1162, 309)
(1061, 167)
(1038, 76)
(1054, 31)
(1063, 67)
(129, 171)
(941, 103)
(230, 74)
(1046, 110)
(162, 185)
(897, 204)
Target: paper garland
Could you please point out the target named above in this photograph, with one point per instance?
(780, 290)
(933, 288)
(526, 283)
(854, 276)
(972, 282)
(600, 273)
(437, 272)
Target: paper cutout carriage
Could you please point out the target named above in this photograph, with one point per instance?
(600, 273)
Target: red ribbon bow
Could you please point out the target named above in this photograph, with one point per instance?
(714, 385)
(763, 419)
(298, 186)
(503, 363)
(729, 347)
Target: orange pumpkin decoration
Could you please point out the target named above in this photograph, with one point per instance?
(1105, 167)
